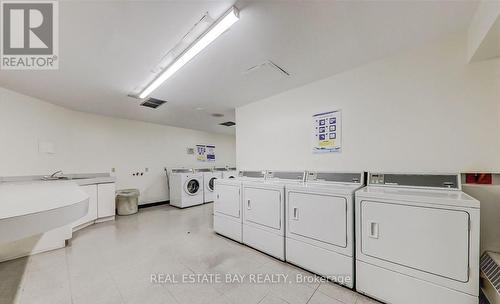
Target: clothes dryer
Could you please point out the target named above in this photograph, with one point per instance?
(320, 224)
(417, 240)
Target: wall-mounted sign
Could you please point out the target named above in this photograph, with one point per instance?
(201, 153)
(210, 153)
(205, 152)
(327, 132)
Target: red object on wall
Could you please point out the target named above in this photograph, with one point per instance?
(478, 178)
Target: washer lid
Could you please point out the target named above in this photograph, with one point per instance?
(407, 195)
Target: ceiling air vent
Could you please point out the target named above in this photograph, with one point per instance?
(153, 103)
(228, 123)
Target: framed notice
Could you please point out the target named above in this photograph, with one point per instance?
(327, 132)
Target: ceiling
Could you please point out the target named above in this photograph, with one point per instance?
(109, 48)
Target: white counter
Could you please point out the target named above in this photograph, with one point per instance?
(31, 208)
(23, 198)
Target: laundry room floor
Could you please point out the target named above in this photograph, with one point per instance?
(113, 262)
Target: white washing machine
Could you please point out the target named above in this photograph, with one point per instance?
(231, 173)
(417, 240)
(228, 213)
(209, 177)
(264, 212)
(320, 224)
(186, 188)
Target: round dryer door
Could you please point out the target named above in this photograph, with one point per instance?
(192, 186)
(211, 183)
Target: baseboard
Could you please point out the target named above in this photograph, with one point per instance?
(153, 204)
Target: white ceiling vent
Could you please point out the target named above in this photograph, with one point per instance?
(153, 103)
(267, 67)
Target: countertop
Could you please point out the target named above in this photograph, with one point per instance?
(79, 179)
(29, 197)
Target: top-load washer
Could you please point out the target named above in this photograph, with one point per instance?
(186, 188)
(264, 212)
(417, 240)
(320, 224)
(228, 213)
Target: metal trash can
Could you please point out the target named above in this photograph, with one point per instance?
(127, 201)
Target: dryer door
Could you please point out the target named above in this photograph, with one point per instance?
(228, 200)
(319, 217)
(263, 206)
(192, 186)
(427, 239)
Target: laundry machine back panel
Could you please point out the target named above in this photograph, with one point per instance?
(433, 240)
(263, 206)
(320, 217)
(228, 200)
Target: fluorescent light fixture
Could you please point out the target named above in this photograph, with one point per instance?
(219, 27)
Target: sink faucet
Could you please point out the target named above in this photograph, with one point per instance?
(53, 175)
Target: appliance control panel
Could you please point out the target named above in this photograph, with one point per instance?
(377, 179)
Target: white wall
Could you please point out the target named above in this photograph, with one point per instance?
(480, 46)
(87, 143)
(424, 110)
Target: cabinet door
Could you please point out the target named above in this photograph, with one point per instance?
(91, 190)
(105, 200)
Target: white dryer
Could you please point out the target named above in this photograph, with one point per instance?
(320, 224)
(264, 212)
(228, 213)
(186, 188)
(417, 240)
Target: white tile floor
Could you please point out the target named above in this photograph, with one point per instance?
(112, 263)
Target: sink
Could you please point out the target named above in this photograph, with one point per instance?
(48, 178)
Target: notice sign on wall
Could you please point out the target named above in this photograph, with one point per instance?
(205, 152)
(327, 132)
(210, 153)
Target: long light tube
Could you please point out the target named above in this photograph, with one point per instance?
(219, 27)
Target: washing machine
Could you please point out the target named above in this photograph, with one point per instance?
(209, 177)
(228, 213)
(232, 173)
(186, 188)
(417, 240)
(320, 224)
(264, 212)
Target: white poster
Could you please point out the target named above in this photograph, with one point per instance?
(205, 153)
(210, 153)
(327, 132)
(201, 152)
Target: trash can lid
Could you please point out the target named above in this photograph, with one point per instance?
(128, 192)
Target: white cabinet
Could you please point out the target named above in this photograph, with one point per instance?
(101, 205)
(91, 216)
(105, 200)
